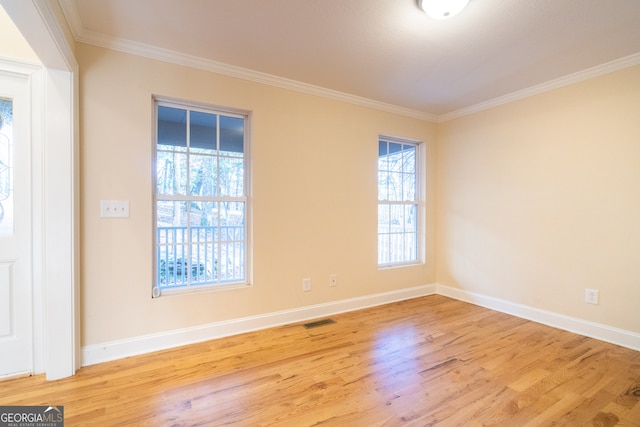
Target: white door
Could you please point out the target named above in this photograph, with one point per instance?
(16, 342)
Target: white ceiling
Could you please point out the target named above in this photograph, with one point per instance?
(386, 51)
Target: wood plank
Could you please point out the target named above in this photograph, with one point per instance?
(425, 361)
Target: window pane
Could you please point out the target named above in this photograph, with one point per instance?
(231, 177)
(383, 148)
(395, 186)
(203, 214)
(203, 263)
(171, 265)
(232, 253)
(232, 214)
(396, 247)
(6, 167)
(395, 148)
(383, 185)
(231, 261)
(411, 218)
(409, 159)
(383, 151)
(411, 246)
(172, 249)
(231, 136)
(171, 213)
(172, 126)
(384, 222)
(383, 249)
(202, 136)
(408, 187)
(203, 172)
(171, 173)
(396, 217)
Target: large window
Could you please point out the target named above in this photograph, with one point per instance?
(398, 202)
(201, 199)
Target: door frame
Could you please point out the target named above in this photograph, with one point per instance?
(55, 171)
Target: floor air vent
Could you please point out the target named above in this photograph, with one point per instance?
(318, 323)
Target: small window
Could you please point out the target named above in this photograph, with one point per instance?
(200, 189)
(398, 202)
(6, 167)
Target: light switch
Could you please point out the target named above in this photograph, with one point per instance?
(114, 208)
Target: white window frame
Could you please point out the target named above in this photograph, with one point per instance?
(220, 111)
(418, 202)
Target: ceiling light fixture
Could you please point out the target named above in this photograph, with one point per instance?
(442, 9)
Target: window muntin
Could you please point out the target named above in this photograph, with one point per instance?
(398, 202)
(200, 198)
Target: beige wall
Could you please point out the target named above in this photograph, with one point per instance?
(537, 199)
(540, 199)
(314, 197)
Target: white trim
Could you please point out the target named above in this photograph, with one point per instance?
(71, 14)
(599, 70)
(598, 331)
(97, 39)
(60, 227)
(21, 68)
(60, 55)
(59, 214)
(37, 210)
(60, 165)
(165, 55)
(113, 350)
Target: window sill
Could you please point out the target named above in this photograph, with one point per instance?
(201, 289)
(401, 265)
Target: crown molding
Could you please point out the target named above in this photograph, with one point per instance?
(191, 61)
(84, 36)
(580, 76)
(71, 14)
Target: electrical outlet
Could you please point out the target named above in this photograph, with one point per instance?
(591, 296)
(333, 280)
(114, 209)
(306, 284)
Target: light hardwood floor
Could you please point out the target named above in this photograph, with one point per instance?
(423, 362)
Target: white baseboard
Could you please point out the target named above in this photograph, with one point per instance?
(598, 331)
(98, 353)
